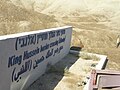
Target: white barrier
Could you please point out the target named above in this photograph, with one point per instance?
(24, 57)
(100, 66)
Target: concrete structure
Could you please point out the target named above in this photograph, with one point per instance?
(24, 57)
(100, 66)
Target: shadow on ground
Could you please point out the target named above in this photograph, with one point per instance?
(54, 74)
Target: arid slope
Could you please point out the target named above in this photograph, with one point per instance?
(96, 23)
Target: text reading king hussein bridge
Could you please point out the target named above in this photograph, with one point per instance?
(24, 56)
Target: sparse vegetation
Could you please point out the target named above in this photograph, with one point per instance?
(53, 69)
(86, 69)
(66, 72)
(89, 57)
(60, 70)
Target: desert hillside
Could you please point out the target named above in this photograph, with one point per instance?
(96, 23)
(14, 19)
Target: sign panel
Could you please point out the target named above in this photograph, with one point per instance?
(24, 57)
(109, 81)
